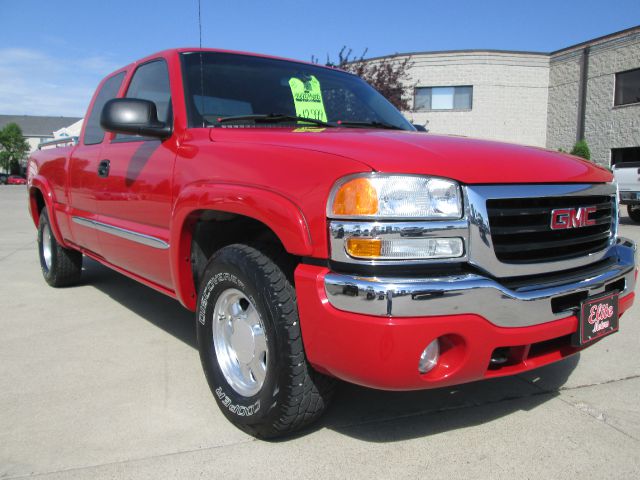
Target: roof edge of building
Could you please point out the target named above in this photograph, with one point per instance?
(602, 38)
(470, 50)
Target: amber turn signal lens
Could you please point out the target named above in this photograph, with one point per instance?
(356, 197)
(364, 247)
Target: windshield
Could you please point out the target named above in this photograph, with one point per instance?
(230, 85)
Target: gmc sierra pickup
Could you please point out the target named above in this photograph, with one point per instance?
(318, 236)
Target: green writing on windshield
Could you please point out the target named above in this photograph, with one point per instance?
(307, 98)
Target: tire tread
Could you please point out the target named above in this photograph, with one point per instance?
(66, 264)
(307, 392)
(634, 212)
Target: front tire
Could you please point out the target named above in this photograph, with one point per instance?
(634, 212)
(61, 267)
(251, 346)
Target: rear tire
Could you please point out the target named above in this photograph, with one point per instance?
(61, 267)
(251, 345)
(634, 212)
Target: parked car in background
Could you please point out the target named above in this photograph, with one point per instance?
(628, 177)
(3, 178)
(16, 180)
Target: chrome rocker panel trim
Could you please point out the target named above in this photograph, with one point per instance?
(472, 294)
(141, 238)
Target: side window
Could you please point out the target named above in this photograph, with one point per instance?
(93, 132)
(151, 82)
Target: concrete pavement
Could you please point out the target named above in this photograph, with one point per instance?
(103, 381)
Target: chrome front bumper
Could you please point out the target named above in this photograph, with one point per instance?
(477, 294)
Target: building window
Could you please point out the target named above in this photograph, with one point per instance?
(627, 87)
(625, 155)
(443, 98)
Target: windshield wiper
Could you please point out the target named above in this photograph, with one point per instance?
(374, 124)
(273, 117)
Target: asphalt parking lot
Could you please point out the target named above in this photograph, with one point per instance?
(103, 381)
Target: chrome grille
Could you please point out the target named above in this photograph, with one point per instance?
(521, 232)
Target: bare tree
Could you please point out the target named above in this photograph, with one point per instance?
(388, 75)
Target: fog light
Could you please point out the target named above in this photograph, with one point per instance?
(429, 357)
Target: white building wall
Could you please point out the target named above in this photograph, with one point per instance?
(510, 94)
(72, 130)
(33, 143)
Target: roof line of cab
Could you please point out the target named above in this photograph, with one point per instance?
(168, 51)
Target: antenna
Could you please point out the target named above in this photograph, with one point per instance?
(201, 65)
(199, 25)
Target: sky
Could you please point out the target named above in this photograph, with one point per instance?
(53, 54)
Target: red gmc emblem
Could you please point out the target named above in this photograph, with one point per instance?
(563, 218)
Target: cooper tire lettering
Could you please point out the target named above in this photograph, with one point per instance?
(211, 284)
(239, 410)
(293, 393)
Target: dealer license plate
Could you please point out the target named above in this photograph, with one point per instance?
(598, 318)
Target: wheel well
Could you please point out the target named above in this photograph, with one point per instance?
(37, 204)
(212, 230)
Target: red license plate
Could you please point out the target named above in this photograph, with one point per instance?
(598, 318)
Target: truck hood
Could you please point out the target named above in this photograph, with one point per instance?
(469, 161)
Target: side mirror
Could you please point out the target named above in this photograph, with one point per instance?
(420, 128)
(133, 116)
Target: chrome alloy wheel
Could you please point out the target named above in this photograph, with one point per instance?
(239, 339)
(46, 246)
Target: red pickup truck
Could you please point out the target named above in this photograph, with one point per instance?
(318, 236)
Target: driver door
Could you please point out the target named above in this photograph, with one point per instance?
(135, 197)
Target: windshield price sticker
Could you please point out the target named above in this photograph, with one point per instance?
(307, 98)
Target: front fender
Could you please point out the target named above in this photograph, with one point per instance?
(275, 211)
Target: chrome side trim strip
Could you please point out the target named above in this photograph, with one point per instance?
(141, 238)
(473, 294)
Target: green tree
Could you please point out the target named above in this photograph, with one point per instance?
(581, 149)
(389, 75)
(13, 147)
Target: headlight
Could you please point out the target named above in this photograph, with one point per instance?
(395, 196)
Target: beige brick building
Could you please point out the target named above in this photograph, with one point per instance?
(508, 101)
(584, 82)
(590, 90)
